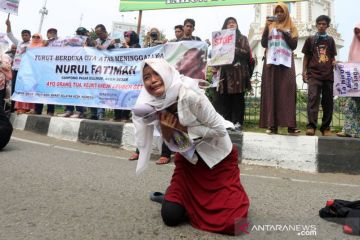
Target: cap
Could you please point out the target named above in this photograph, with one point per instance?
(52, 30)
(81, 31)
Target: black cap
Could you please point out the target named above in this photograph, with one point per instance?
(81, 31)
(52, 30)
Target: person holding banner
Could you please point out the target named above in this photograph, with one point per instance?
(5, 77)
(53, 41)
(23, 107)
(153, 38)
(80, 39)
(20, 50)
(278, 85)
(229, 100)
(103, 42)
(352, 109)
(319, 59)
(131, 41)
(205, 186)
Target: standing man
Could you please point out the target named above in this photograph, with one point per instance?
(189, 27)
(20, 50)
(103, 42)
(320, 52)
(53, 41)
(179, 33)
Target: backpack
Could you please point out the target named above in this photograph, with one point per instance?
(343, 212)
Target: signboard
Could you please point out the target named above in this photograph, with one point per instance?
(223, 47)
(135, 5)
(9, 6)
(347, 80)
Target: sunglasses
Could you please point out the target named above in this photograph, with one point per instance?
(35, 37)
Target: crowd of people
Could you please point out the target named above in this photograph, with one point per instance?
(205, 187)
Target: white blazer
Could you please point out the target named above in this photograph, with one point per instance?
(202, 121)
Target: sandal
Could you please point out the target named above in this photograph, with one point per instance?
(293, 130)
(133, 157)
(343, 134)
(163, 160)
(272, 130)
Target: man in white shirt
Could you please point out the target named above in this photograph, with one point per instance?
(53, 41)
(20, 50)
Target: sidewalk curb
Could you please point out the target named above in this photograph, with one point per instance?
(301, 153)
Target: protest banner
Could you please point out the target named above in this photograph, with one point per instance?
(347, 80)
(135, 5)
(223, 47)
(89, 77)
(9, 6)
(278, 52)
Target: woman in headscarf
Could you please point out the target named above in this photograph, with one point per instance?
(5, 77)
(278, 86)
(153, 38)
(205, 185)
(23, 107)
(234, 79)
(352, 109)
(131, 40)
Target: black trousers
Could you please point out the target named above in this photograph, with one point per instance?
(317, 88)
(2, 98)
(172, 213)
(230, 106)
(121, 114)
(39, 108)
(14, 72)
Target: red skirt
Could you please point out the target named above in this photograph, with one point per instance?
(214, 199)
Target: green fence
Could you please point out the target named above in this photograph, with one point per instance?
(252, 109)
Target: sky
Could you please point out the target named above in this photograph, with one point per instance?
(65, 15)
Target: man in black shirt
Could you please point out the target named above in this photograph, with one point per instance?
(189, 27)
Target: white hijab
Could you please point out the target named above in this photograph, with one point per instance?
(172, 82)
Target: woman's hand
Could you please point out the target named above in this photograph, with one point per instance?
(124, 44)
(305, 78)
(168, 123)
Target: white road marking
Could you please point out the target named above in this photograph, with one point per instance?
(172, 165)
(66, 148)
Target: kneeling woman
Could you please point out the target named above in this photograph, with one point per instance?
(205, 185)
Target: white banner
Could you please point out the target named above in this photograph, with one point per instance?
(347, 80)
(223, 47)
(9, 6)
(93, 78)
(278, 52)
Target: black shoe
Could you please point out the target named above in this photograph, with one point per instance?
(157, 197)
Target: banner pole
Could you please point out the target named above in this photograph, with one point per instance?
(139, 22)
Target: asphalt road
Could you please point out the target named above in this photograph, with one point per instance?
(51, 189)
